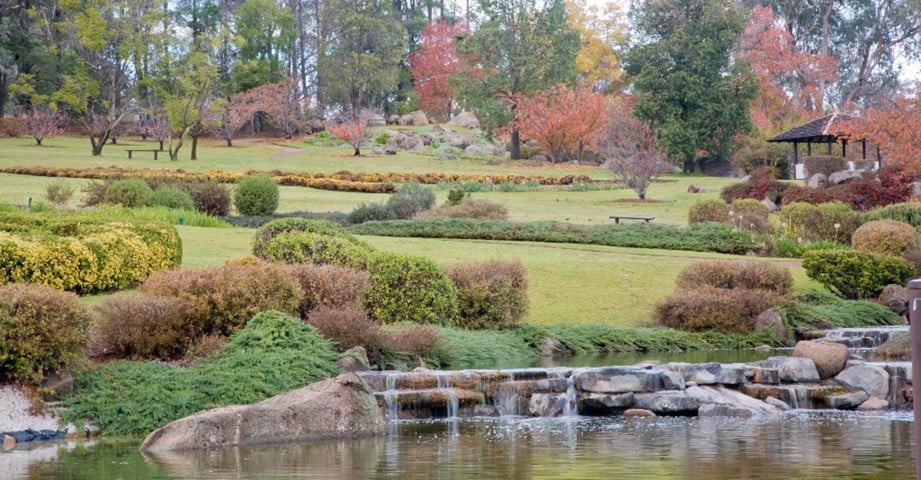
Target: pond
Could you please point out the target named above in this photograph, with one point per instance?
(798, 444)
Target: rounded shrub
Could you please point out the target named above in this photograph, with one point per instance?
(131, 192)
(708, 308)
(209, 197)
(369, 212)
(491, 294)
(329, 286)
(909, 213)
(284, 225)
(170, 197)
(306, 247)
(348, 327)
(834, 221)
(42, 330)
(708, 211)
(257, 195)
(410, 199)
(59, 191)
(728, 274)
(469, 207)
(886, 237)
(138, 326)
(230, 295)
(854, 274)
(409, 288)
(750, 214)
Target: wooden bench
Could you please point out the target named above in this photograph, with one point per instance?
(155, 151)
(618, 218)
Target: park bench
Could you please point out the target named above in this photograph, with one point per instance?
(155, 151)
(618, 218)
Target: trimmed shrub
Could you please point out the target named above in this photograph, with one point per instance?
(59, 191)
(409, 288)
(368, 212)
(306, 247)
(413, 342)
(260, 220)
(708, 211)
(131, 192)
(885, 237)
(469, 208)
(329, 286)
(914, 258)
(455, 195)
(348, 327)
(230, 295)
(491, 294)
(284, 225)
(855, 275)
(42, 330)
(170, 197)
(866, 194)
(257, 195)
(750, 214)
(818, 222)
(909, 213)
(709, 308)
(209, 197)
(824, 164)
(727, 274)
(410, 199)
(137, 326)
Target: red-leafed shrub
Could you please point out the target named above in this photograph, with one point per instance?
(490, 294)
(138, 326)
(329, 286)
(736, 275)
(760, 185)
(348, 327)
(420, 341)
(708, 308)
(865, 194)
(815, 196)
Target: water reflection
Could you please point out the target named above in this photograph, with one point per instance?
(814, 445)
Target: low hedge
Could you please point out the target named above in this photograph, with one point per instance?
(276, 227)
(75, 253)
(700, 237)
(816, 309)
(856, 275)
(306, 247)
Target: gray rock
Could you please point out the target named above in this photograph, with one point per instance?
(720, 410)
(465, 119)
(376, 120)
(619, 380)
(776, 402)
(769, 204)
(737, 402)
(478, 151)
(767, 375)
(829, 357)
(844, 176)
(874, 381)
(846, 401)
(341, 407)
(459, 141)
(819, 180)
(895, 298)
(693, 188)
(552, 348)
(547, 404)
(873, 404)
(603, 401)
(710, 373)
(393, 120)
(793, 369)
(666, 401)
(354, 359)
(771, 318)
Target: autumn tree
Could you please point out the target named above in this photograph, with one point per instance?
(236, 112)
(432, 64)
(41, 122)
(895, 129)
(283, 104)
(522, 47)
(565, 122)
(629, 148)
(602, 28)
(353, 131)
(687, 83)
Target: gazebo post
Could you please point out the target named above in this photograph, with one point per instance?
(863, 144)
(809, 148)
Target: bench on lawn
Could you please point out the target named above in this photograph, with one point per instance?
(618, 218)
(155, 151)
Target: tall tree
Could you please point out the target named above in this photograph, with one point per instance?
(565, 122)
(266, 31)
(432, 64)
(360, 58)
(688, 88)
(602, 27)
(895, 129)
(522, 46)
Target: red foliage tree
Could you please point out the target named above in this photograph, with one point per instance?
(432, 63)
(562, 121)
(895, 129)
(629, 148)
(41, 123)
(283, 103)
(353, 131)
(236, 112)
(790, 78)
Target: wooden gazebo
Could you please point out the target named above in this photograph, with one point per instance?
(826, 130)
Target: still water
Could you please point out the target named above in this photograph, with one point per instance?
(797, 445)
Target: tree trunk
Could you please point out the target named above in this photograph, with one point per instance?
(357, 152)
(194, 151)
(38, 141)
(516, 144)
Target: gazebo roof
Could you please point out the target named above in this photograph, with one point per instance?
(820, 130)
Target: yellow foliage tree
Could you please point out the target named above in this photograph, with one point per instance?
(601, 27)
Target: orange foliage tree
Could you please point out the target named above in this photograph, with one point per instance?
(432, 64)
(562, 121)
(895, 129)
(790, 78)
(353, 131)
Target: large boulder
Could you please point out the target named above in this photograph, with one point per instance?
(465, 119)
(844, 176)
(341, 407)
(416, 119)
(872, 380)
(710, 373)
(719, 401)
(895, 298)
(829, 357)
(793, 369)
(667, 402)
(627, 379)
(819, 180)
(771, 319)
(376, 120)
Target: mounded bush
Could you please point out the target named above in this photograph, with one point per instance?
(209, 197)
(409, 288)
(257, 195)
(708, 308)
(750, 214)
(727, 274)
(329, 285)
(492, 294)
(285, 225)
(348, 327)
(410, 199)
(856, 275)
(886, 237)
(230, 295)
(170, 197)
(130, 192)
(368, 212)
(306, 247)
(137, 326)
(818, 222)
(824, 164)
(42, 330)
(59, 191)
(708, 211)
(469, 207)
(94, 192)
(909, 213)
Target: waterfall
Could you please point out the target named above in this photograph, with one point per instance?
(392, 407)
